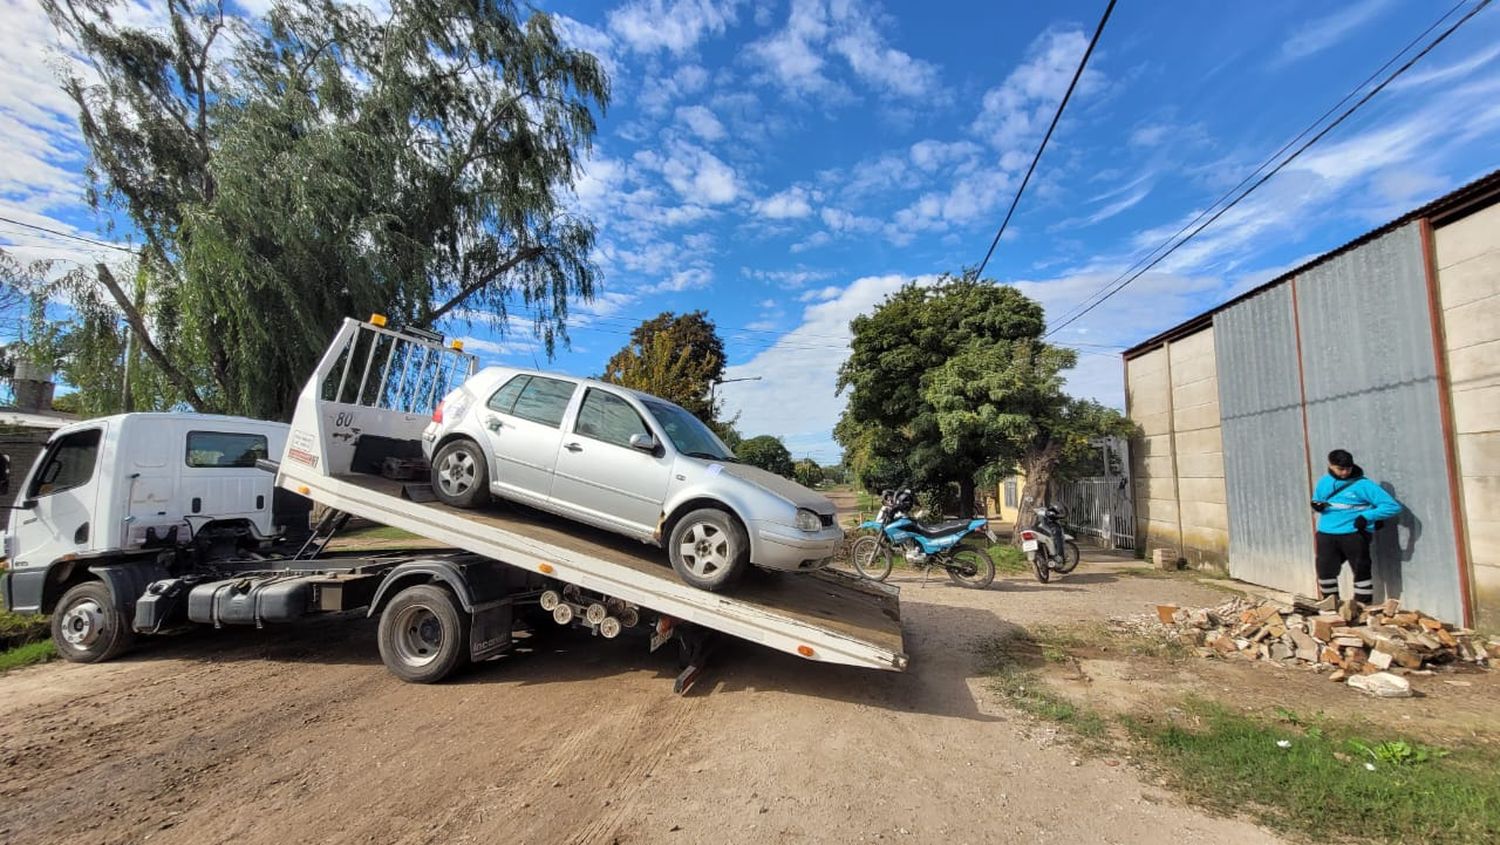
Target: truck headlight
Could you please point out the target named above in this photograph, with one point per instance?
(807, 520)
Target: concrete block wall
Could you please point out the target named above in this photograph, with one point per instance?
(1172, 393)
(1467, 254)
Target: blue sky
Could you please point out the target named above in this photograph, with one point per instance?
(784, 166)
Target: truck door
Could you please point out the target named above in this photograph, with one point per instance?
(58, 503)
(219, 478)
(523, 424)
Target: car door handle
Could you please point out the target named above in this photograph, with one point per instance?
(573, 447)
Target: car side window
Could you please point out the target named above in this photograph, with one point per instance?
(70, 463)
(609, 418)
(544, 400)
(505, 398)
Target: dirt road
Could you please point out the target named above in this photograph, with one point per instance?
(299, 735)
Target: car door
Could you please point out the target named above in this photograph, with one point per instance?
(58, 502)
(600, 475)
(523, 423)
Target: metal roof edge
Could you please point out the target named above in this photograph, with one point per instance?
(1465, 200)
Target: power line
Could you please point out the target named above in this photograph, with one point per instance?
(1078, 74)
(1277, 169)
(1271, 158)
(62, 234)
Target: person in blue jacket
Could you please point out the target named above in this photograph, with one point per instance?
(1350, 508)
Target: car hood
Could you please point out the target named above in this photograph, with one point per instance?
(783, 487)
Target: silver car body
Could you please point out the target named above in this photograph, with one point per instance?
(564, 469)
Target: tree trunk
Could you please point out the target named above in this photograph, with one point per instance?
(966, 497)
(1039, 465)
(148, 345)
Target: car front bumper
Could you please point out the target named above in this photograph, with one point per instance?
(776, 546)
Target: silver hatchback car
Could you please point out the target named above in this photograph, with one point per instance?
(626, 462)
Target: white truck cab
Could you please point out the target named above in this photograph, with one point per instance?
(132, 482)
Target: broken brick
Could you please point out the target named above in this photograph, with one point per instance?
(1400, 654)
(1330, 655)
(1164, 613)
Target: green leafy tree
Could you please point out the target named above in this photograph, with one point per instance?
(676, 357)
(322, 162)
(807, 472)
(953, 383)
(768, 453)
(913, 415)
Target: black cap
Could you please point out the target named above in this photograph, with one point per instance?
(1340, 458)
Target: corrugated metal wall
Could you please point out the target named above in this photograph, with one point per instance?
(1370, 378)
(1265, 465)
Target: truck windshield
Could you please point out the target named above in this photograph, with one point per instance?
(688, 433)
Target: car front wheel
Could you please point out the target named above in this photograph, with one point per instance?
(709, 549)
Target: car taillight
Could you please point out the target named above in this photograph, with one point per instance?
(1028, 535)
(437, 413)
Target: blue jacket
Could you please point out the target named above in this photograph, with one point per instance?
(1356, 497)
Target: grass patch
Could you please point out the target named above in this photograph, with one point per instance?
(18, 629)
(1327, 780)
(1322, 778)
(26, 655)
(1009, 560)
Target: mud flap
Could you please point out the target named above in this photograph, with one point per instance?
(490, 629)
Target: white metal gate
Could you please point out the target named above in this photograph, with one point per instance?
(1099, 508)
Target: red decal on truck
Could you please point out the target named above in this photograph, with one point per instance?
(302, 457)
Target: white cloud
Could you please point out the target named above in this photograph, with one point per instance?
(1150, 135)
(697, 174)
(659, 92)
(581, 36)
(794, 55)
(786, 278)
(676, 26)
(790, 204)
(1446, 73)
(1321, 33)
(701, 121)
(694, 278)
(930, 155)
(1119, 206)
(1021, 107)
(795, 397)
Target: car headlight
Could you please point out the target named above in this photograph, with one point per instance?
(807, 520)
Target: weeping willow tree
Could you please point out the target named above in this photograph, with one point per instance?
(286, 172)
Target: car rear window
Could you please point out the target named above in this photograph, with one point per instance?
(544, 400)
(504, 399)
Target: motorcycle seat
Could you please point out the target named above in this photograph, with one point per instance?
(942, 529)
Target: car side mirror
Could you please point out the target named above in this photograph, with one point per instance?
(643, 442)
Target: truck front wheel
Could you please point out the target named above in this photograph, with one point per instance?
(87, 627)
(424, 634)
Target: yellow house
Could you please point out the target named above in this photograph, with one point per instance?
(1002, 507)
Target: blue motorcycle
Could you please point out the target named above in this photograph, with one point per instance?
(927, 546)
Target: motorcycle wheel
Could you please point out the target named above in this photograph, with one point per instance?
(1069, 561)
(1041, 566)
(970, 568)
(871, 558)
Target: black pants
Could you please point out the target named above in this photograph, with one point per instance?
(1333, 550)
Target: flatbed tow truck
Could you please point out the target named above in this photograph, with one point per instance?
(354, 449)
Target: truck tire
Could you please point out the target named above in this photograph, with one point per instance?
(709, 549)
(460, 475)
(87, 627)
(424, 634)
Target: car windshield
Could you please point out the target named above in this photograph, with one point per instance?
(688, 433)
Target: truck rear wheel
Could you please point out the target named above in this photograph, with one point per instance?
(424, 634)
(87, 627)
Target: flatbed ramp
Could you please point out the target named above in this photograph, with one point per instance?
(825, 616)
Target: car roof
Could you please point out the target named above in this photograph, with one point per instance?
(503, 371)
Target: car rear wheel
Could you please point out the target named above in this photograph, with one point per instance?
(459, 477)
(709, 549)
